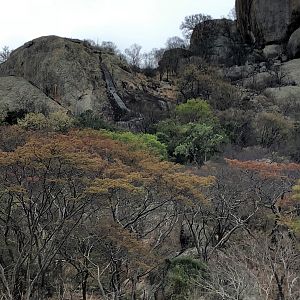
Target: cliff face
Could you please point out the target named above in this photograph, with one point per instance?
(80, 77)
(16, 94)
(218, 41)
(65, 70)
(267, 21)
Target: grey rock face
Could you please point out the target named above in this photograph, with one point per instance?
(16, 93)
(218, 41)
(267, 21)
(65, 70)
(291, 71)
(293, 46)
(273, 51)
(71, 73)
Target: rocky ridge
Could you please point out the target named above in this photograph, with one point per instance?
(79, 77)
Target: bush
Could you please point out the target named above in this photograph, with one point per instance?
(34, 121)
(200, 143)
(272, 129)
(194, 135)
(89, 119)
(194, 110)
(148, 142)
(57, 121)
(60, 121)
(182, 273)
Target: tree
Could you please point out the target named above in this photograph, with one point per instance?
(134, 55)
(272, 129)
(4, 54)
(200, 143)
(193, 135)
(255, 267)
(232, 14)
(175, 42)
(190, 22)
(81, 205)
(194, 111)
(201, 80)
(110, 47)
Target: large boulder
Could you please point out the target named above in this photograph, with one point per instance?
(66, 70)
(18, 94)
(170, 62)
(293, 46)
(290, 72)
(80, 76)
(267, 21)
(273, 51)
(218, 41)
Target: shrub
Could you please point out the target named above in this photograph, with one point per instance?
(34, 121)
(60, 121)
(272, 129)
(89, 119)
(194, 110)
(182, 273)
(148, 142)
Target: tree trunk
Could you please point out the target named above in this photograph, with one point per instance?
(84, 285)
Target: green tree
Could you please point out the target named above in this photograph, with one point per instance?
(200, 142)
(194, 111)
(194, 134)
(146, 142)
(182, 274)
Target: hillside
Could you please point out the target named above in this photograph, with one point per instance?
(176, 181)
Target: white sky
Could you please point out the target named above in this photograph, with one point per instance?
(145, 22)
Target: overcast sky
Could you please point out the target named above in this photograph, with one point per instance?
(146, 22)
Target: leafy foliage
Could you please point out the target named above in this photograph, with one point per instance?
(193, 135)
(89, 119)
(85, 187)
(140, 141)
(182, 275)
(33, 121)
(194, 111)
(57, 121)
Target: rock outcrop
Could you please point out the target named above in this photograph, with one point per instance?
(218, 41)
(293, 46)
(18, 94)
(171, 59)
(267, 21)
(71, 73)
(66, 70)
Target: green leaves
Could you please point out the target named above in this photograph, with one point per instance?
(200, 142)
(194, 111)
(194, 135)
(146, 142)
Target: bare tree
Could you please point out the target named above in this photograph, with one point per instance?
(175, 42)
(134, 55)
(4, 54)
(232, 14)
(190, 22)
(258, 268)
(110, 47)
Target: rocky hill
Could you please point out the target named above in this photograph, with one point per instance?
(78, 77)
(256, 52)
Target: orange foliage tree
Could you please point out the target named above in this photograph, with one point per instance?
(83, 202)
